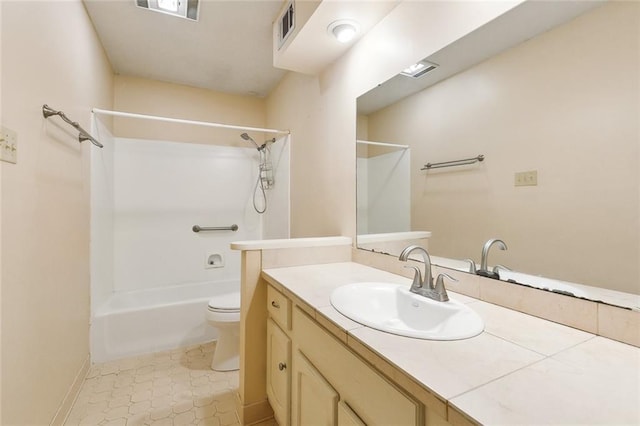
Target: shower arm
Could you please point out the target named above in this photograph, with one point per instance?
(260, 148)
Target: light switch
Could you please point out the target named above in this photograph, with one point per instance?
(529, 178)
(8, 145)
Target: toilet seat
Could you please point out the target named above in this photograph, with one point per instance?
(229, 302)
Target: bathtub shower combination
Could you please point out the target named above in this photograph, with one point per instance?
(156, 282)
(145, 321)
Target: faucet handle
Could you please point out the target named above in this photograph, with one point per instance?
(472, 265)
(417, 277)
(440, 289)
(497, 268)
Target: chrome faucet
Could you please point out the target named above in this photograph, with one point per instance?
(418, 281)
(485, 252)
(425, 287)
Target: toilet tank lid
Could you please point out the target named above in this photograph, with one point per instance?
(227, 301)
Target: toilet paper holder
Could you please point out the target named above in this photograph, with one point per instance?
(214, 260)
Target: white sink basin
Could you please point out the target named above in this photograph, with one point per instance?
(394, 309)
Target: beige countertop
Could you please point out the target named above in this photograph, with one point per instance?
(520, 370)
(291, 243)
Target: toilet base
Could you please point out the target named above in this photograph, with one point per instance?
(226, 356)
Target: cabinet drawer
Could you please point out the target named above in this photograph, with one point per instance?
(279, 307)
(371, 398)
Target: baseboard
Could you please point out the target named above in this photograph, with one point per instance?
(253, 413)
(72, 394)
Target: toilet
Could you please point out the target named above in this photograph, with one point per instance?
(223, 313)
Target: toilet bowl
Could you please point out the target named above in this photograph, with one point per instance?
(223, 313)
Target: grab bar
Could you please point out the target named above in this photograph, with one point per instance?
(452, 163)
(198, 228)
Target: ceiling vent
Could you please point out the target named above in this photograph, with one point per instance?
(419, 69)
(286, 24)
(182, 8)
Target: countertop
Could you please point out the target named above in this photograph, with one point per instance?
(520, 370)
(291, 243)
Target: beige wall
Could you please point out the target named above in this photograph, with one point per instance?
(1, 166)
(50, 54)
(316, 171)
(321, 111)
(151, 97)
(566, 104)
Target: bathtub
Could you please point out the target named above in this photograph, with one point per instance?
(146, 321)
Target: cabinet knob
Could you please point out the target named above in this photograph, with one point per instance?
(275, 304)
(282, 366)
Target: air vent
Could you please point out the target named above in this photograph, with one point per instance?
(287, 23)
(419, 69)
(181, 8)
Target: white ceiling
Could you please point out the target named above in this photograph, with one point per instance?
(229, 49)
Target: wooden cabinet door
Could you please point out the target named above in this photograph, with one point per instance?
(278, 372)
(346, 416)
(314, 401)
(376, 401)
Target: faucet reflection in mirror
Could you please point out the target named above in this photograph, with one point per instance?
(484, 268)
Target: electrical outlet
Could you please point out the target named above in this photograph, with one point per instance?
(8, 145)
(529, 178)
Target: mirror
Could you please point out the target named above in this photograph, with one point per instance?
(549, 95)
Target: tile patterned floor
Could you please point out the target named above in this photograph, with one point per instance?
(169, 388)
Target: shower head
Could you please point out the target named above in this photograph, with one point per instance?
(246, 137)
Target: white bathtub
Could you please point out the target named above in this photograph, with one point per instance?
(147, 321)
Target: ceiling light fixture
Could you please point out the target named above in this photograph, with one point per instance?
(181, 8)
(168, 5)
(418, 69)
(344, 30)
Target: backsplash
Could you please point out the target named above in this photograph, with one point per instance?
(613, 322)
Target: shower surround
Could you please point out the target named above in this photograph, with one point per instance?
(150, 274)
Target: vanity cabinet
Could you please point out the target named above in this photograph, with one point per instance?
(328, 384)
(315, 401)
(346, 416)
(278, 372)
(278, 356)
